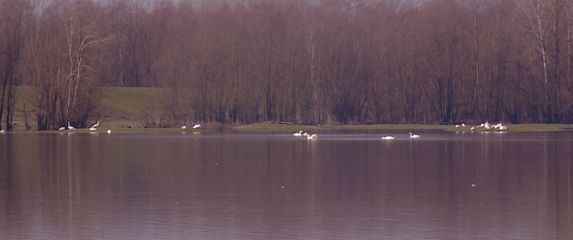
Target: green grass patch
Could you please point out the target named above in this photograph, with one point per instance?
(539, 127)
(115, 102)
(118, 107)
(126, 103)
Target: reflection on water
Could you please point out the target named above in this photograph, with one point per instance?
(188, 186)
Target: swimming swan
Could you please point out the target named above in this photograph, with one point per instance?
(414, 135)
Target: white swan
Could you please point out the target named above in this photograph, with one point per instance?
(311, 137)
(62, 129)
(297, 134)
(93, 128)
(183, 127)
(472, 128)
(305, 134)
(463, 125)
(502, 127)
(95, 125)
(2, 131)
(70, 127)
(414, 135)
(109, 131)
(487, 126)
(389, 137)
(196, 126)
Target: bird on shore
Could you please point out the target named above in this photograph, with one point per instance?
(70, 127)
(487, 126)
(95, 125)
(196, 126)
(183, 127)
(93, 128)
(502, 127)
(2, 131)
(62, 129)
(414, 135)
(389, 137)
(109, 131)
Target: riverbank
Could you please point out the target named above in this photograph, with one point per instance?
(284, 128)
(126, 127)
(122, 109)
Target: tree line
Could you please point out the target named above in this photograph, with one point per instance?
(309, 62)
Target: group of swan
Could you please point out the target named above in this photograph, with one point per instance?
(314, 136)
(488, 126)
(92, 128)
(69, 127)
(390, 137)
(305, 134)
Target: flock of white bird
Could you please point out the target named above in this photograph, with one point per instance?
(92, 128)
(484, 126)
(315, 136)
(390, 137)
(305, 135)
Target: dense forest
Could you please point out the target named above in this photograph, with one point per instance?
(309, 62)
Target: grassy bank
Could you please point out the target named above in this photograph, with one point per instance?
(125, 103)
(119, 107)
(284, 128)
(122, 109)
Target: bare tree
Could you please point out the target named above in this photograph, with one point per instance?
(13, 16)
(311, 62)
(65, 49)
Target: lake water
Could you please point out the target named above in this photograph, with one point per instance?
(276, 186)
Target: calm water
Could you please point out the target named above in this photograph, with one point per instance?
(248, 186)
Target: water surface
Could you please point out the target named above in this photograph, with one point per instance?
(276, 186)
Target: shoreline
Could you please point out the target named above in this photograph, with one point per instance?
(121, 110)
(284, 128)
(291, 128)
